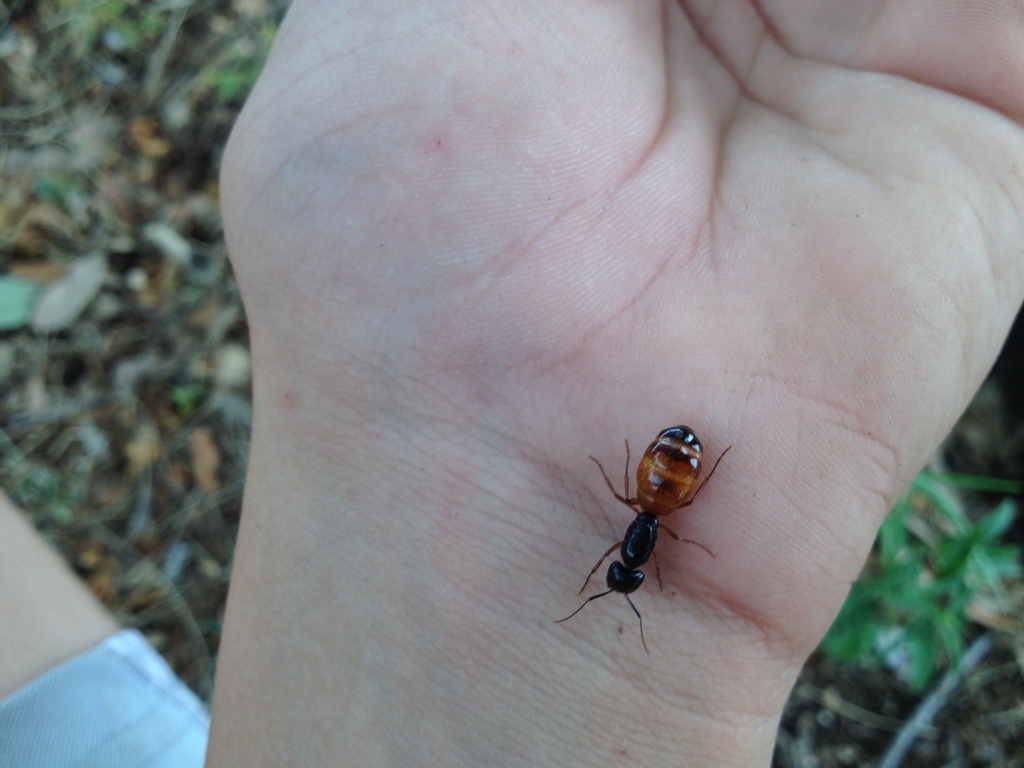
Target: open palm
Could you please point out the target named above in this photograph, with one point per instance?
(479, 241)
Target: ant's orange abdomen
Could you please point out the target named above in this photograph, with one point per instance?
(668, 471)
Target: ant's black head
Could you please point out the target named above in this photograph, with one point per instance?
(621, 579)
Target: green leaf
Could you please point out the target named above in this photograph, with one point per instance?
(978, 482)
(1000, 562)
(892, 537)
(17, 300)
(186, 397)
(854, 632)
(909, 608)
(998, 521)
(943, 500)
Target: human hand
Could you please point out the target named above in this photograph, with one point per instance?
(480, 241)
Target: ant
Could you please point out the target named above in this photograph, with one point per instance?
(664, 478)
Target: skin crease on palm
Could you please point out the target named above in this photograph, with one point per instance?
(478, 241)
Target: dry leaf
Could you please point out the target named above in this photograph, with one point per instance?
(91, 557)
(13, 197)
(145, 134)
(205, 459)
(143, 449)
(41, 223)
(210, 568)
(102, 585)
(253, 9)
(38, 271)
(145, 596)
(987, 612)
(64, 300)
(232, 367)
(89, 140)
(118, 196)
(36, 396)
(168, 241)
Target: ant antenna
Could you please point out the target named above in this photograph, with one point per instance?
(642, 640)
(559, 621)
(602, 594)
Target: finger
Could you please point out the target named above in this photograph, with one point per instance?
(973, 49)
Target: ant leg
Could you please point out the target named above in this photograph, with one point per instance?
(677, 537)
(628, 502)
(657, 571)
(625, 474)
(611, 549)
(705, 482)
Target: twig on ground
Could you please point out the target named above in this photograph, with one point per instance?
(831, 700)
(930, 707)
(162, 52)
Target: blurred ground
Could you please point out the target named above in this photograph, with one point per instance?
(124, 364)
(125, 400)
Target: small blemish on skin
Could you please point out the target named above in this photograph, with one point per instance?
(290, 399)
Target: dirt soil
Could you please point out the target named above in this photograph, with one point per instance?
(124, 395)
